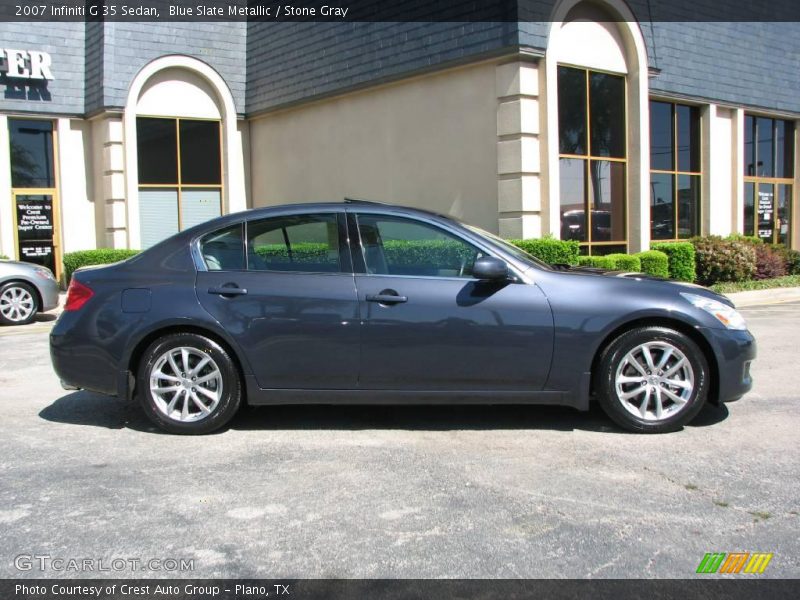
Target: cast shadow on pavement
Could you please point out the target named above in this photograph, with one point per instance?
(87, 408)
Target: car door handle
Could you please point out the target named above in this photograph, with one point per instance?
(228, 291)
(386, 298)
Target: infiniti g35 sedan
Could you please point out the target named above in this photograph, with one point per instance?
(360, 302)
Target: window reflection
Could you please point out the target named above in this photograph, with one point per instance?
(607, 115)
(662, 207)
(593, 191)
(572, 175)
(31, 146)
(675, 171)
(661, 136)
(572, 110)
(608, 200)
(688, 205)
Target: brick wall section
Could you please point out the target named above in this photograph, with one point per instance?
(94, 67)
(66, 45)
(130, 46)
(287, 62)
(754, 64)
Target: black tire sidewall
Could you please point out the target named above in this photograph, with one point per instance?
(231, 384)
(27, 287)
(606, 389)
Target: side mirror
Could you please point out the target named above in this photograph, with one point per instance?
(490, 268)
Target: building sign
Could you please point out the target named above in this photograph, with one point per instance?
(765, 208)
(26, 64)
(35, 230)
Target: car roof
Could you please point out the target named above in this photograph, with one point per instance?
(347, 203)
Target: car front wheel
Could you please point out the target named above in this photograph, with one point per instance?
(188, 384)
(18, 304)
(652, 380)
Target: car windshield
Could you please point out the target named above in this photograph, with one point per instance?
(509, 247)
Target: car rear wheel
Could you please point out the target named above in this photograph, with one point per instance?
(188, 384)
(652, 380)
(18, 304)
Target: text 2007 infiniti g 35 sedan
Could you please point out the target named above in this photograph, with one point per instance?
(360, 302)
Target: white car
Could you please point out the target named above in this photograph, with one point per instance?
(25, 289)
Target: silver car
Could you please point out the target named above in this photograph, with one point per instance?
(25, 289)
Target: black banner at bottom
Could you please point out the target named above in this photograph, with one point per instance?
(395, 589)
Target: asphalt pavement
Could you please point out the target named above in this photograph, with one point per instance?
(457, 492)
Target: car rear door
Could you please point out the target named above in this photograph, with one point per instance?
(283, 287)
(428, 325)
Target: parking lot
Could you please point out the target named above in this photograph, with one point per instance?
(473, 492)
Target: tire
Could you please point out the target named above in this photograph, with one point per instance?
(172, 399)
(18, 303)
(643, 399)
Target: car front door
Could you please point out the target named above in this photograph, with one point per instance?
(283, 288)
(429, 325)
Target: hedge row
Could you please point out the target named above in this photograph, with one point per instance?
(101, 256)
(651, 262)
(551, 251)
(681, 259)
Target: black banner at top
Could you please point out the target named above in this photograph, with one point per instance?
(508, 11)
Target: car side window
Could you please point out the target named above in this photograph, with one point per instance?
(398, 246)
(223, 250)
(306, 243)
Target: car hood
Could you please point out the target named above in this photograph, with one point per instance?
(688, 287)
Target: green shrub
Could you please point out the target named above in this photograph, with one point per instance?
(681, 258)
(654, 263)
(738, 237)
(3, 257)
(598, 262)
(791, 258)
(720, 260)
(101, 256)
(403, 253)
(301, 253)
(770, 263)
(626, 262)
(551, 251)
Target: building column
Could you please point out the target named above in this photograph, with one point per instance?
(518, 166)
(737, 166)
(719, 170)
(794, 216)
(6, 209)
(112, 170)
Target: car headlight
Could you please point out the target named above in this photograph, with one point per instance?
(723, 313)
(44, 273)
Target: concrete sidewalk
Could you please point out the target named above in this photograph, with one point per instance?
(763, 297)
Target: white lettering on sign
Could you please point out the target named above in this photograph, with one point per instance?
(26, 64)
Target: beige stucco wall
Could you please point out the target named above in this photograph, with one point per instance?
(427, 142)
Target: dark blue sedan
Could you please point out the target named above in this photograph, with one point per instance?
(360, 302)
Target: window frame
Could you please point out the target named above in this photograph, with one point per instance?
(773, 181)
(675, 173)
(345, 260)
(179, 186)
(588, 158)
(359, 261)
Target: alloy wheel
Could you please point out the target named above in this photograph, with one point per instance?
(186, 384)
(17, 304)
(654, 381)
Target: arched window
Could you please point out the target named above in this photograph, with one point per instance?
(179, 150)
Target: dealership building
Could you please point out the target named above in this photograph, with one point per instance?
(598, 123)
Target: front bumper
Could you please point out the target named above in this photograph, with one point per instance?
(734, 351)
